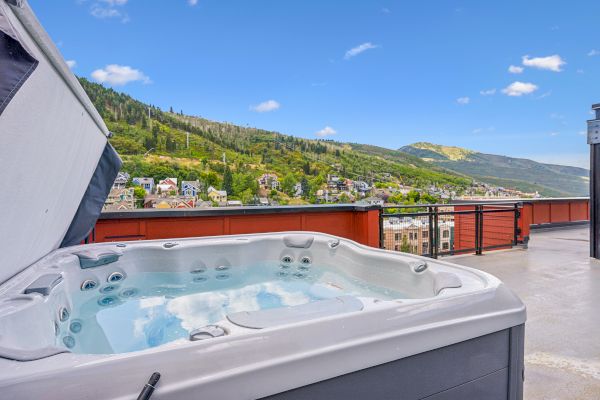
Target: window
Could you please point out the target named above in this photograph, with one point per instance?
(410, 235)
(425, 248)
(396, 236)
(397, 247)
(446, 234)
(445, 246)
(425, 234)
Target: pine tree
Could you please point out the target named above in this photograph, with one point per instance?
(228, 181)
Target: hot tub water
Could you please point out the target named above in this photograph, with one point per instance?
(151, 309)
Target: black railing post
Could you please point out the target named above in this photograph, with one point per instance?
(516, 226)
(593, 139)
(430, 224)
(381, 239)
(436, 233)
(478, 230)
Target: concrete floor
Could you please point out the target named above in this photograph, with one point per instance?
(560, 286)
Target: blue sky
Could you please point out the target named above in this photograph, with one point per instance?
(387, 73)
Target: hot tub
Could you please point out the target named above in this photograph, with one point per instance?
(288, 315)
(291, 315)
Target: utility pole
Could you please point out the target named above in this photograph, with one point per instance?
(593, 139)
(187, 140)
(149, 118)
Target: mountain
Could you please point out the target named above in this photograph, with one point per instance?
(520, 173)
(160, 144)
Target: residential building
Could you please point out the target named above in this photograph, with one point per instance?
(414, 234)
(218, 196)
(191, 188)
(373, 201)
(121, 180)
(146, 183)
(234, 203)
(119, 199)
(157, 201)
(298, 190)
(269, 182)
(167, 186)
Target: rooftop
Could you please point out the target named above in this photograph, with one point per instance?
(560, 285)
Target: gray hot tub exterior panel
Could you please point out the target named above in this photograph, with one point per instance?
(487, 367)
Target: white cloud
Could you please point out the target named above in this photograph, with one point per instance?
(487, 92)
(109, 9)
(477, 130)
(327, 131)
(519, 88)
(119, 75)
(463, 100)
(551, 63)
(554, 133)
(513, 69)
(359, 49)
(266, 106)
(385, 10)
(593, 53)
(192, 2)
(71, 63)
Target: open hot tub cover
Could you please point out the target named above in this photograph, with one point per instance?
(56, 160)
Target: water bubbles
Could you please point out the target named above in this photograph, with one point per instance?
(303, 267)
(282, 274)
(300, 275)
(221, 268)
(199, 270)
(222, 277)
(200, 279)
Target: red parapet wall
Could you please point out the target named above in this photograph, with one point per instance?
(360, 224)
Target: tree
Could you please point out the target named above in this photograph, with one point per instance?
(288, 183)
(305, 187)
(405, 246)
(228, 181)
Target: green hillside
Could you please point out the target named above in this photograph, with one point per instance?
(154, 143)
(522, 174)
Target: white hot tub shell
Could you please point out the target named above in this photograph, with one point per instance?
(456, 327)
(438, 330)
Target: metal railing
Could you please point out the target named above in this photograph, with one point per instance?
(434, 230)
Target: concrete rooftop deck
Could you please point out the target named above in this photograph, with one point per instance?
(560, 286)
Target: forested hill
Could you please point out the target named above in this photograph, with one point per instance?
(154, 143)
(520, 173)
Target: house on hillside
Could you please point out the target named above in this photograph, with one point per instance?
(298, 189)
(119, 199)
(191, 188)
(234, 203)
(373, 201)
(269, 182)
(362, 187)
(121, 180)
(218, 196)
(167, 186)
(146, 183)
(169, 202)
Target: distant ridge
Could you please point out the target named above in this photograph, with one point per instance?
(520, 173)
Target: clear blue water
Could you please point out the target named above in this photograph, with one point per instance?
(151, 309)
